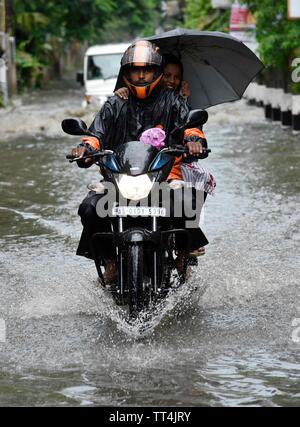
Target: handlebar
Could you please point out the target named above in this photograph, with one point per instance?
(175, 150)
(94, 155)
(179, 149)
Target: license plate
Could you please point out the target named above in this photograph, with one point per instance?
(138, 211)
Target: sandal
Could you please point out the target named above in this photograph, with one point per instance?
(198, 252)
(179, 262)
(111, 272)
(183, 269)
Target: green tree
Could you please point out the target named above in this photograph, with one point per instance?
(277, 35)
(278, 38)
(132, 19)
(45, 29)
(200, 15)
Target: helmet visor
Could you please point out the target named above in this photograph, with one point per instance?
(141, 54)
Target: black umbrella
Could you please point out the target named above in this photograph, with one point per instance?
(217, 67)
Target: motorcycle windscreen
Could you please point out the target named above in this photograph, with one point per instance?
(135, 157)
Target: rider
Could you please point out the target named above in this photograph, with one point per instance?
(120, 121)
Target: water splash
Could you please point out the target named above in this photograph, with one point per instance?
(178, 301)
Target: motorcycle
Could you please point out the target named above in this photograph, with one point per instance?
(143, 234)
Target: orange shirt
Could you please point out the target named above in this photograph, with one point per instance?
(176, 169)
(92, 141)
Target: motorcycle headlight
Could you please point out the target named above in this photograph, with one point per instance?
(135, 187)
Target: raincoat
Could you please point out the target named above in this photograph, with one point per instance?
(121, 121)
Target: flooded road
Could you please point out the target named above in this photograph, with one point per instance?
(233, 342)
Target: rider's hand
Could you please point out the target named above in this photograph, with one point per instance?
(80, 152)
(195, 148)
(196, 145)
(123, 92)
(185, 89)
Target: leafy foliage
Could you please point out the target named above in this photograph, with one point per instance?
(200, 15)
(80, 19)
(278, 36)
(45, 29)
(132, 19)
(31, 69)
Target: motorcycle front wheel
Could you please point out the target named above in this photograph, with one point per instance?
(135, 279)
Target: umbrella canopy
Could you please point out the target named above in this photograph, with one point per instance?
(217, 67)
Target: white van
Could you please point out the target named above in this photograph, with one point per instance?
(100, 70)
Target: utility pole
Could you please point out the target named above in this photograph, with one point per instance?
(11, 56)
(3, 51)
(2, 26)
(8, 71)
(2, 15)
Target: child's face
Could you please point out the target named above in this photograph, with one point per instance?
(172, 76)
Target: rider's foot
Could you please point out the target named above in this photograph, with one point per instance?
(111, 272)
(179, 262)
(198, 252)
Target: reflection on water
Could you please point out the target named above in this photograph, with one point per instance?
(226, 343)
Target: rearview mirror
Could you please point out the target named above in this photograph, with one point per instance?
(196, 118)
(75, 127)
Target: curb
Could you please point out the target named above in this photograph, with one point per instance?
(279, 107)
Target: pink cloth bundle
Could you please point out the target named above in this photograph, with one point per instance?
(154, 136)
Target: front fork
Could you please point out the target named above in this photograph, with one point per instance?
(121, 260)
(154, 228)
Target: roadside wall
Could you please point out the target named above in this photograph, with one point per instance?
(279, 106)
